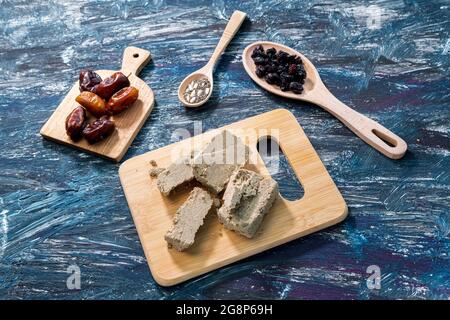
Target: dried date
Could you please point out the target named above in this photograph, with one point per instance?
(92, 102)
(98, 130)
(88, 80)
(75, 123)
(111, 85)
(122, 99)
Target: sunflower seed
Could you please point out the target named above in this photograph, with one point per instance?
(197, 90)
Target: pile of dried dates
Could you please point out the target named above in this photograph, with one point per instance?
(101, 98)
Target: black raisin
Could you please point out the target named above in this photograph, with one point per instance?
(293, 59)
(258, 51)
(271, 52)
(260, 48)
(296, 87)
(284, 87)
(301, 74)
(285, 77)
(265, 56)
(272, 68)
(260, 60)
(292, 69)
(281, 69)
(282, 57)
(273, 78)
(260, 71)
(255, 54)
(300, 67)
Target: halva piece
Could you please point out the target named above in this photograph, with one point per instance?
(221, 157)
(188, 219)
(247, 199)
(173, 176)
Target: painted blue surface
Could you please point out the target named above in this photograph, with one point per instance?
(387, 59)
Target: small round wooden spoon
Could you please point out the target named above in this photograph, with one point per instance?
(206, 72)
(315, 92)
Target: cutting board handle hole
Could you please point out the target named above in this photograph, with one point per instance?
(136, 55)
(280, 169)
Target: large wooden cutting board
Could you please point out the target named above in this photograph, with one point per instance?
(128, 123)
(321, 206)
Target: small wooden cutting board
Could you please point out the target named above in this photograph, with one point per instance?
(128, 123)
(321, 206)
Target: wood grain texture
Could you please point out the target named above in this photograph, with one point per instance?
(232, 27)
(128, 123)
(320, 207)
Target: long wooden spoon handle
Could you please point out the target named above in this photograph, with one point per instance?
(134, 59)
(230, 30)
(373, 133)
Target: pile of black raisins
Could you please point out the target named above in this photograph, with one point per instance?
(280, 68)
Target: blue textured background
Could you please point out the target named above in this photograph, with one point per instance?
(60, 207)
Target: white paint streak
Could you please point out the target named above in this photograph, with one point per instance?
(67, 54)
(285, 291)
(4, 231)
(447, 47)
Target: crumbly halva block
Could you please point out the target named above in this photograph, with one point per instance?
(173, 176)
(214, 177)
(188, 219)
(221, 157)
(247, 199)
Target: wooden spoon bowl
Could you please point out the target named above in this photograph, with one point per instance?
(315, 92)
(231, 29)
(204, 72)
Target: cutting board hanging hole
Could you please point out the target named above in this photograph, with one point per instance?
(280, 169)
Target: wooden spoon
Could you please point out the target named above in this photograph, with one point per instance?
(315, 92)
(206, 72)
